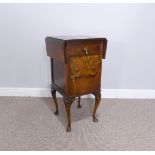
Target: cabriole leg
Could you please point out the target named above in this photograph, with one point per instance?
(97, 102)
(68, 102)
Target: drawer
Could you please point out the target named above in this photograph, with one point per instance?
(83, 48)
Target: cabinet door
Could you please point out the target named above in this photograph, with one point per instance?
(85, 74)
(84, 66)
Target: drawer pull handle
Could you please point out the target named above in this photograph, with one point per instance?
(86, 51)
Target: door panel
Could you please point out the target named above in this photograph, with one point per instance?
(84, 73)
(85, 65)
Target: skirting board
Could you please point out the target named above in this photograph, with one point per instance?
(106, 93)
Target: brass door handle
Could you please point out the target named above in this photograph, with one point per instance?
(73, 78)
(85, 50)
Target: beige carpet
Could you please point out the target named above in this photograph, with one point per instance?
(29, 124)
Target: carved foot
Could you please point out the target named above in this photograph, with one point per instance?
(79, 106)
(95, 119)
(68, 129)
(57, 112)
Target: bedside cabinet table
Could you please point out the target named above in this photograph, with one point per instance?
(76, 65)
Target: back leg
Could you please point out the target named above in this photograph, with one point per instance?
(79, 105)
(53, 91)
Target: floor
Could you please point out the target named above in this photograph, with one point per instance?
(30, 124)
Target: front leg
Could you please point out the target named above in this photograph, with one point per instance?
(68, 102)
(97, 102)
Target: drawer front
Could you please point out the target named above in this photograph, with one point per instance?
(84, 48)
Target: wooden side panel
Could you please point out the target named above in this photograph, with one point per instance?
(104, 48)
(58, 74)
(55, 48)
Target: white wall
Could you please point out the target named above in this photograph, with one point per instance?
(129, 28)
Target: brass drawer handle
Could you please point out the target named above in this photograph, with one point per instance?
(85, 50)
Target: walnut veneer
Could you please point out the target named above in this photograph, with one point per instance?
(76, 65)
